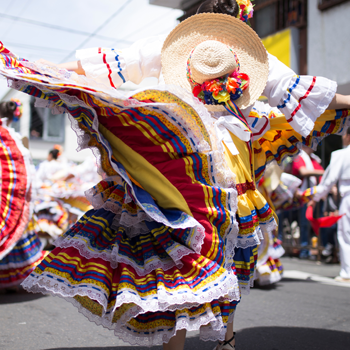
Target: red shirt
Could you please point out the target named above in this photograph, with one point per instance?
(298, 163)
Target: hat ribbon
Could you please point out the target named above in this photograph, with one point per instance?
(227, 124)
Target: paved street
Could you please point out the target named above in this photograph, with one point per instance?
(306, 311)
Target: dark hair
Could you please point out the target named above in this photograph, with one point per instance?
(348, 131)
(228, 7)
(7, 109)
(54, 153)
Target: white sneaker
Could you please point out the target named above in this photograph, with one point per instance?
(328, 249)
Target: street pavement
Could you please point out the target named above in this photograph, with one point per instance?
(307, 310)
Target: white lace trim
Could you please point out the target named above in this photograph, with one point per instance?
(22, 264)
(113, 256)
(224, 289)
(265, 276)
(134, 225)
(214, 329)
(268, 226)
(230, 238)
(276, 252)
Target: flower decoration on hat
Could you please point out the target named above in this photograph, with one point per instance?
(221, 90)
(59, 149)
(245, 10)
(17, 114)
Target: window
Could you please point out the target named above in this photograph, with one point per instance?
(271, 16)
(265, 20)
(326, 4)
(44, 125)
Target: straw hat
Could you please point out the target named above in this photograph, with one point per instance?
(272, 176)
(211, 39)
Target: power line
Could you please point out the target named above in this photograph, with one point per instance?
(148, 24)
(14, 22)
(98, 29)
(53, 26)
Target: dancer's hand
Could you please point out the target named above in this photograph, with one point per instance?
(298, 194)
(74, 66)
(312, 203)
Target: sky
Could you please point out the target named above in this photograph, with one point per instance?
(55, 29)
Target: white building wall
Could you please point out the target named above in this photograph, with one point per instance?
(329, 43)
(39, 149)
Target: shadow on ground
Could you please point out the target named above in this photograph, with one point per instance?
(287, 279)
(263, 338)
(18, 297)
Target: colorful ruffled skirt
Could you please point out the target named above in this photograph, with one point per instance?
(14, 188)
(171, 241)
(22, 259)
(20, 247)
(269, 268)
(161, 250)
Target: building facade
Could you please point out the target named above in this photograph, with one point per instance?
(328, 50)
(44, 130)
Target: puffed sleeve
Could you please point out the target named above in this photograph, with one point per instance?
(302, 99)
(114, 67)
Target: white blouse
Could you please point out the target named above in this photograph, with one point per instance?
(338, 170)
(302, 99)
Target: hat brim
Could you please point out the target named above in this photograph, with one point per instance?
(229, 30)
(272, 176)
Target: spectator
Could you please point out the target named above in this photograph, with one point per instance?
(339, 171)
(306, 166)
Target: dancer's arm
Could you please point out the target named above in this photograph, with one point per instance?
(74, 66)
(302, 99)
(115, 67)
(304, 172)
(331, 176)
(340, 102)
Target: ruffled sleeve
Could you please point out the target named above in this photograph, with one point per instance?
(302, 99)
(113, 67)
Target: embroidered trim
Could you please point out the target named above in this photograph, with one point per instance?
(242, 188)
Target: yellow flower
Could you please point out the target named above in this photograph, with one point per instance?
(222, 96)
(243, 2)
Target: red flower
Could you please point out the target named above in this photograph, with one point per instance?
(213, 86)
(231, 84)
(196, 90)
(245, 80)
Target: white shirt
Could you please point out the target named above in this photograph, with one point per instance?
(337, 170)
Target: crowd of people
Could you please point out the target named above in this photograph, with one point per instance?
(184, 219)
